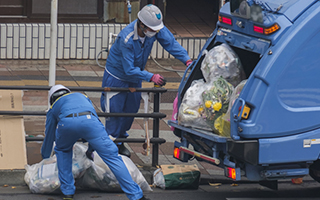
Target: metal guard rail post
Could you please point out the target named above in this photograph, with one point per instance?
(156, 115)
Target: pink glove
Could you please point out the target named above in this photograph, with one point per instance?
(188, 62)
(158, 79)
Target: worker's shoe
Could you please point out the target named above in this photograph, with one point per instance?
(124, 151)
(143, 198)
(67, 197)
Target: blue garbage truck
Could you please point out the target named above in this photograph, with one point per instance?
(275, 121)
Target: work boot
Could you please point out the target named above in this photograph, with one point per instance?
(67, 197)
(143, 198)
(124, 151)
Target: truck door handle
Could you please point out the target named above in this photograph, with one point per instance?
(248, 45)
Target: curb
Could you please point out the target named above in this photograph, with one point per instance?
(16, 177)
(12, 177)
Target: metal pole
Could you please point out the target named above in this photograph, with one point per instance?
(155, 146)
(53, 42)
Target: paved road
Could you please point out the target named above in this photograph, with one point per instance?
(226, 191)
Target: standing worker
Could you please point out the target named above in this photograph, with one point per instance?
(71, 117)
(125, 67)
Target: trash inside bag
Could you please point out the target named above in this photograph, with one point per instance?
(204, 102)
(100, 177)
(43, 177)
(223, 122)
(216, 100)
(191, 109)
(222, 61)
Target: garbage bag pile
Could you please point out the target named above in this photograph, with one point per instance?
(206, 103)
(43, 177)
(99, 176)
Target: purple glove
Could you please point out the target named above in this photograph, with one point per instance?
(158, 79)
(188, 62)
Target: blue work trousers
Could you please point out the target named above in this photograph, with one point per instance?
(122, 102)
(89, 127)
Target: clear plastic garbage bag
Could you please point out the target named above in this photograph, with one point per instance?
(223, 123)
(43, 177)
(204, 102)
(222, 61)
(191, 112)
(100, 177)
(216, 100)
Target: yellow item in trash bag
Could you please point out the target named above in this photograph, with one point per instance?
(200, 110)
(222, 126)
(217, 106)
(208, 104)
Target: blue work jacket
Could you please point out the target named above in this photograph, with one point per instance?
(128, 56)
(65, 105)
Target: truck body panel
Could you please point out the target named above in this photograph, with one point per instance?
(280, 135)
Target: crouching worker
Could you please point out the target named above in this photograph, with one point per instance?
(71, 117)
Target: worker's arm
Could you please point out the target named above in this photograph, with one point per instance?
(169, 43)
(47, 145)
(128, 63)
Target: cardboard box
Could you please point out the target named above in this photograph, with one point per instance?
(12, 136)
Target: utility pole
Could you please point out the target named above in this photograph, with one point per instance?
(53, 42)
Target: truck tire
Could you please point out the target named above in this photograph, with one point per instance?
(314, 170)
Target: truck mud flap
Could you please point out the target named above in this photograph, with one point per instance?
(246, 151)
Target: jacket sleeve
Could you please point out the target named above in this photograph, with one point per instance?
(128, 63)
(51, 124)
(169, 43)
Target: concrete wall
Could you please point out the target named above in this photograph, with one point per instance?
(75, 41)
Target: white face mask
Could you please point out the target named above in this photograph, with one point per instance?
(150, 34)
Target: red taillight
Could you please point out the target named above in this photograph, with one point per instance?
(231, 173)
(266, 31)
(225, 20)
(258, 29)
(176, 153)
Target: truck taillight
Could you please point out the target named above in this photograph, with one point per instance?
(266, 31)
(225, 20)
(231, 173)
(176, 153)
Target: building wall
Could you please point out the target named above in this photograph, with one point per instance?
(75, 41)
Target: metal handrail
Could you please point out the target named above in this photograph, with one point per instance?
(156, 115)
(91, 89)
(100, 114)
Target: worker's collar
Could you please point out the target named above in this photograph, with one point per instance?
(136, 36)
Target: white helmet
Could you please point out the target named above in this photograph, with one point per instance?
(56, 91)
(151, 16)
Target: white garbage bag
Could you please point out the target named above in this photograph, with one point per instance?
(100, 177)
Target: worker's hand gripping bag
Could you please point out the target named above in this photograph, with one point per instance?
(177, 177)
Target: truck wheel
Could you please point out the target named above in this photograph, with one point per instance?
(314, 170)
